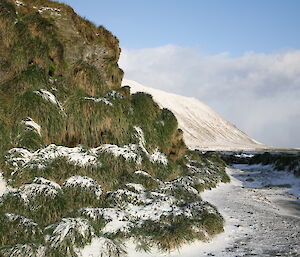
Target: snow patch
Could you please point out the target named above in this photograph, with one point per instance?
(136, 187)
(19, 3)
(154, 157)
(53, 11)
(19, 157)
(3, 186)
(114, 94)
(133, 151)
(48, 96)
(21, 220)
(142, 172)
(158, 157)
(43, 181)
(68, 228)
(85, 183)
(99, 100)
(29, 191)
(146, 174)
(128, 152)
(32, 124)
(101, 247)
(117, 219)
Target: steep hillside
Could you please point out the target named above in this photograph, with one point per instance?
(203, 128)
(82, 158)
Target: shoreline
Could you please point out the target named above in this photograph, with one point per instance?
(199, 248)
(255, 223)
(259, 221)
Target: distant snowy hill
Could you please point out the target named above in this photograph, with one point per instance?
(203, 128)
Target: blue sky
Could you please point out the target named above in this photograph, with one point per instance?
(214, 26)
(241, 57)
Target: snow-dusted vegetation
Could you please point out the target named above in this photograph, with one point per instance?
(142, 211)
(82, 160)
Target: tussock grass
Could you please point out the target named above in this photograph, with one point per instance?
(76, 61)
(166, 235)
(16, 229)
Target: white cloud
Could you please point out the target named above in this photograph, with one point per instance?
(260, 93)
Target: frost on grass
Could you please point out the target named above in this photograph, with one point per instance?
(22, 158)
(85, 183)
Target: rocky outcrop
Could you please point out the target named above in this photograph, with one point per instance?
(53, 36)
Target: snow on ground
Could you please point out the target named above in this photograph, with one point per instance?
(99, 247)
(3, 186)
(279, 188)
(256, 224)
(203, 128)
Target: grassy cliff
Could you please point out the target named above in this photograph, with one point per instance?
(81, 153)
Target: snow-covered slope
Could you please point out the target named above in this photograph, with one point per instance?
(203, 128)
